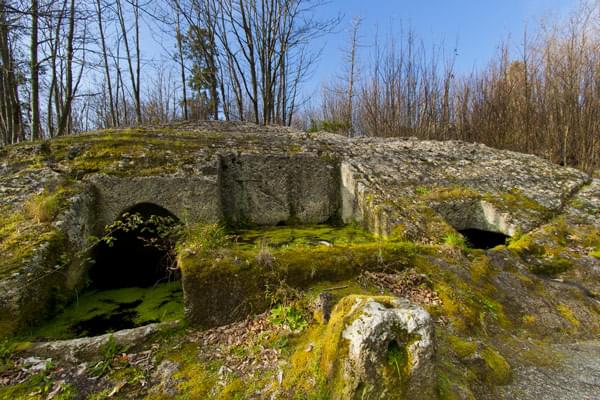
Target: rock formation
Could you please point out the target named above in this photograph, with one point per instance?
(413, 196)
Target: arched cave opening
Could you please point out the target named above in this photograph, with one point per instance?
(482, 239)
(139, 251)
(132, 278)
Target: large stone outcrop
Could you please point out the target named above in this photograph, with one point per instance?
(495, 311)
(417, 190)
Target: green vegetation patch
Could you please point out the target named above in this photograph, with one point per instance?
(20, 237)
(468, 298)
(316, 235)
(516, 200)
(225, 279)
(26, 229)
(498, 371)
(299, 253)
(299, 259)
(119, 308)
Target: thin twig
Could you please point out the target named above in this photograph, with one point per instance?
(335, 288)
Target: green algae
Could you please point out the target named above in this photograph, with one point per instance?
(143, 305)
(302, 235)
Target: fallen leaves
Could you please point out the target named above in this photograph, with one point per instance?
(407, 284)
(242, 347)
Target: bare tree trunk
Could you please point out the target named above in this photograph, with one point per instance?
(11, 112)
(138, 100)
(35, 75)
(250, 56)
(69, 94)
(113, 116)
(353, 44)
(178, 36)
(134, 76)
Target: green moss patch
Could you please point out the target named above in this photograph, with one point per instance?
(516, 200)
(302, 236)
(568, 314)
(20, 237)
(115, 309)
(463, 348)
(225, 283)
(498, 371)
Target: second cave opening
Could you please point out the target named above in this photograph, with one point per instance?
(481, 239)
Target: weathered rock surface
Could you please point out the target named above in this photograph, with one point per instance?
(382, 326)
(89, 348)
(576, 376)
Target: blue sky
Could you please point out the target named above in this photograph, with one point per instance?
(476, 27)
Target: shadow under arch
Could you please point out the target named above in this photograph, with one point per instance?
(131, 260)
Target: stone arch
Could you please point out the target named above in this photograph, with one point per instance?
(478, 214)
(190, 199)
(479, 221)
(149, 208)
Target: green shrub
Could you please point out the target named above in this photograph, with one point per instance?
(455, 239)
(45, 206)
(201, 238)
(289, 316)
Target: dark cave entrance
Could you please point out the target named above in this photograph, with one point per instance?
(140, 254)
(133, 279)
(481, 239)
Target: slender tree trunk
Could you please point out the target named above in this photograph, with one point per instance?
(251, 57)
(138, 56)
(66, 112)
(134, 76)
(178, 36)
(353, 44)
(113, 116)
(12, 116)
(35, 76)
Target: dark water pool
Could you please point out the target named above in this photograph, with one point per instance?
(99, 312)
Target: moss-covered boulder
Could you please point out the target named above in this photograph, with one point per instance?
(390, 348)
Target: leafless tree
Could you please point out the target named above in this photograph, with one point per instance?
(11, 118)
